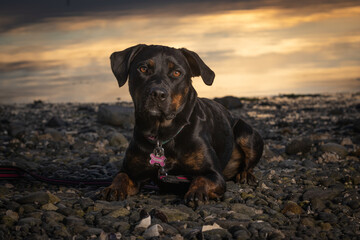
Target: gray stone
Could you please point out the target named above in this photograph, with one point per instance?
(327, 217)
(120, 212)
(36, 197)
(52, 216)
(116, 115)
(334, 148)
(322, 194)
(73, 221)
(55, 122)
(118, 140)
(92, 231)
(175, 214)
(229, 102)
(243, 209)
(300, 145)
(31, 221)
(217, 234)
(153, 231)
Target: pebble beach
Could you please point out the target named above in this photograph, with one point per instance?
(308, 178)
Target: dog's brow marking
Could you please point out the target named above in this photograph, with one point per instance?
(151, 63)
(171, 65)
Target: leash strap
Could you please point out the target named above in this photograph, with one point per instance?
(173, 179)
(12, 172)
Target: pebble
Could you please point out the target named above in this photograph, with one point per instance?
(334, 148)
(300, 145)
(116, 115)
(292, 207)
(305, 190)
(153, 231)
(118, 140)
(36, 197)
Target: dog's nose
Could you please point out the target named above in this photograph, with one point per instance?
(158, 93)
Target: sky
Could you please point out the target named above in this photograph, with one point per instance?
(58, 51)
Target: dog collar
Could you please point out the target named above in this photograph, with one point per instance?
(153, 140)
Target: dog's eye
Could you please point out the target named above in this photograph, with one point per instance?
(176, 73)
(143, 69)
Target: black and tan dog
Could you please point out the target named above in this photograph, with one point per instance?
(176, 133)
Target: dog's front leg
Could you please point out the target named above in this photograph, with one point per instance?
(204, 188)
(121, 187)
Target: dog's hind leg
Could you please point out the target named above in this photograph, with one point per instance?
(249, 147)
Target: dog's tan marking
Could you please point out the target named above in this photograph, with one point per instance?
(232, 168)
(176, 101)
(195, 159)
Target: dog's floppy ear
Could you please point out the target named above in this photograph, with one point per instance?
(120, 62)
(198, 67)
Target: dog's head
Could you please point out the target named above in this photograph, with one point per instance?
(159, 77)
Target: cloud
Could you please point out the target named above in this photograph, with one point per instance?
(6, 67)
(21, 13)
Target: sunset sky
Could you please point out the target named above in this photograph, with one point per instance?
(58, 51)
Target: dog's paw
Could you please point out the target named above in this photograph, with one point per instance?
(246, 177)
(201, 191)
(121, 187)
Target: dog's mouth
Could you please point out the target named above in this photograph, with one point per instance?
(159, 113)
(155, 112)
(151, 138)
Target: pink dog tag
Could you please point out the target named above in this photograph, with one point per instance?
(160, 160)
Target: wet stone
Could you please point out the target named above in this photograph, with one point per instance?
(301, 145)
(36, 197)
(335, 148)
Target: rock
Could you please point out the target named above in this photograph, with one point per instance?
(55, 122)
(8, 221)
(17, 130)
(13, 215)
(36, 197)
(49, 207)
(50, 216)
(31, 221)
(334, 148)
(73, 221)
(153, 231)
(327, 217)
(88, 232)
(144, 223)
(116, 115)
(53, 198)
(121, 212)
(291, 207)
(229, 102)
(174, 214)
(325, 226)
(104, 205)
(300, 145)
(322, 194)
(210, 227)
(243, 209)
(307, 221)
(217, 234)
(118, 140)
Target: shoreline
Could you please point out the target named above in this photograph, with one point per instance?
(309, 175)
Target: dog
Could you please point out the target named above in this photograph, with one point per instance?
(176, 133)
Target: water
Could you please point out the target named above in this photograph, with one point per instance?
(59, 51)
